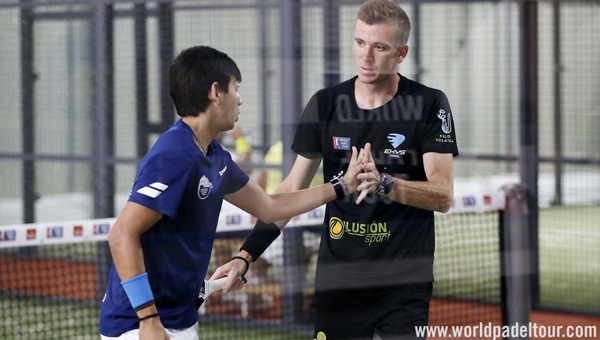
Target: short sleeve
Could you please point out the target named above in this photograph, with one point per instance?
(440, 135)
(161, 182)
(237, 178)
(308, 141)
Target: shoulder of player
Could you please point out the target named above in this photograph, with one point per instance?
(167, 160)
(422, 89)
(339, 88)
(324, 99)
(171, 148)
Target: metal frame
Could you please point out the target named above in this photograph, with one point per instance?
(102, 13)
(28, 113)
(529, 149)
(103, 111)
(291, 94)
(515, 259)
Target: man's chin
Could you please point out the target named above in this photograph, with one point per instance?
(369, 78)
(374, 78)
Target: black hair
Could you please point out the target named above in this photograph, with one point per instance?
(192, 74)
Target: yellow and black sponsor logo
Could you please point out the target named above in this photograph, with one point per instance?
(375, 232)
(336, 228)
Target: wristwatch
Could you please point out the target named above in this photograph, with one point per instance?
(386, 183)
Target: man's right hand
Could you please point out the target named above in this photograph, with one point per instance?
(152, 329)
(369, 177)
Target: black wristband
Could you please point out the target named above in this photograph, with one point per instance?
(247, 264)
(260, 238)
(148, 316)
(340, 193)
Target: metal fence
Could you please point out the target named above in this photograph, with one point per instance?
(83, 95)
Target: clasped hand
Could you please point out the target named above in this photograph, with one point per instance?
(362, 174)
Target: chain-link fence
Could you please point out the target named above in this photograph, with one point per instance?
(83, 94)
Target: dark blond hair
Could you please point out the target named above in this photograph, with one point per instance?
(386, 12)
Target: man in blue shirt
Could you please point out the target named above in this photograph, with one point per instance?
(162, 240)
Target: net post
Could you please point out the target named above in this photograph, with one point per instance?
(515, 259)
(28, 80)
(103, 133)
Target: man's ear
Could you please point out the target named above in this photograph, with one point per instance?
(214, 92)
(402, 52)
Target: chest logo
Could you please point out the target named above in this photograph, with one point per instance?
(374, 232)
(395, 139)
(204, 188)
(341, 143)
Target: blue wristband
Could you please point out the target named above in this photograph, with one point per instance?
(138, 291)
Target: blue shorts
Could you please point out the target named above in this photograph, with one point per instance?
(391, 312)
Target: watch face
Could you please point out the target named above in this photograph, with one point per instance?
(387, 182)
(385, 185)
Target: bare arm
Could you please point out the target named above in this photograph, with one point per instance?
(270, 208)
(299, 178)
(126, 250)
(285, 204)
(301, 175)
(434, 194)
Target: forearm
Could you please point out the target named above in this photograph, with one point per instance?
(270, 208)
(299, 178)
(263, 234)
(124, 238)
(283, 205)
(126, 252)
(285, 187)
(436, 193)
(424, 195)
(128, 258)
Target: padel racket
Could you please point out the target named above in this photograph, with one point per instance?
(209, 287)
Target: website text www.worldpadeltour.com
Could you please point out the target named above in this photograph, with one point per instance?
(498, 332)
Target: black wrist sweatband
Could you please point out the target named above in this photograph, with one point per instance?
(260, 238)
(340, 191)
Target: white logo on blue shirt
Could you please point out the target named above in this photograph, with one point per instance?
(204, 188)
(222, 171)
(153, 190)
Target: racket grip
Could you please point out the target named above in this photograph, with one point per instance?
(209, 287)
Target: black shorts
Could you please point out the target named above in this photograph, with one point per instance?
(393, 312)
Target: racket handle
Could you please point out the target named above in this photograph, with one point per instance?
(209, 287)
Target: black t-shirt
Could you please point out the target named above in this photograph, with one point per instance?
(379, 242)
